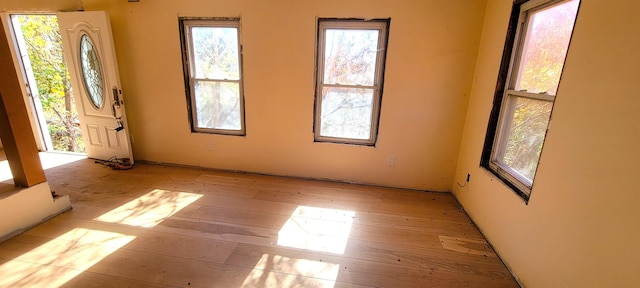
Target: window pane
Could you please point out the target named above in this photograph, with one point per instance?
(526, 135)
(218, 105)
(545, 47)
(346, 112)
(215, 52)
(350, 56)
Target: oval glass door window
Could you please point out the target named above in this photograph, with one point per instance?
(91, 73)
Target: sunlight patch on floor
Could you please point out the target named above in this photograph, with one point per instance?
(150, 209)
(5, 171)
(317, 229)
(47, 159)
(61, 259)
(55, 159)
(280, 271)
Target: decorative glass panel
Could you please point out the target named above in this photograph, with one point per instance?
(91, 72)
(346, 112)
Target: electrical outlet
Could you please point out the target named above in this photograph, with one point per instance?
(391, 160)
(468, 177)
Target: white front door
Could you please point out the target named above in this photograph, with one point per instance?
(91, 60)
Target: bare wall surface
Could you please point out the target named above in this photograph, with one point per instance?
(581, 224)
(430, 63)
(39, 5)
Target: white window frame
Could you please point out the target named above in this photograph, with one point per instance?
(382, 25)
(188, 55)
(516, 180)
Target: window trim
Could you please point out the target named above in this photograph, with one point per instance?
(495, 135)
(185, 23)
(383, 41)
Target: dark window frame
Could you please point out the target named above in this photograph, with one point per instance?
(512, 41)
(377, 102)
(187, 73)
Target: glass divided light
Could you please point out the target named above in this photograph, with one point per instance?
(350, 57)
(349, 82)
(545, 47)
(540, 50)
(216, 77)
(526, 135)
(346, 112)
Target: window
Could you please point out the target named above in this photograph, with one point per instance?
(213, 75)
(537, 45)
(350, 61)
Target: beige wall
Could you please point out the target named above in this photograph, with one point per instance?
(580, 228)
(431, 56)
(39, 5)
(28, 207)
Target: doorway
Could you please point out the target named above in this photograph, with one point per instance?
(47, 82)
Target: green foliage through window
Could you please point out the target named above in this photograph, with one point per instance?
(349, 81)
(540, 46)
(215, 84)
(44, 47)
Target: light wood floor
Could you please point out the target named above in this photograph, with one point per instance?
(156, 226)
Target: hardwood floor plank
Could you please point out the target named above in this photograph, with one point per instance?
(145, 240)
(185, 227)
(355, 271)
(95, 280)
(232, 216)
(218, 231)
(244, 204)
(436, 226)
(425, 209)
(184, 272)
(25, 274)
(429, 258)
(393, 236)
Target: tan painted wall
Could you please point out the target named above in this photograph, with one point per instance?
(28, 207)
(432, 51)
(40, 5)
(580, 228)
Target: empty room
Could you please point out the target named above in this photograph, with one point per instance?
(319, 143)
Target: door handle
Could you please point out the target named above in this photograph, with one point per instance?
(116, 97)
(114, 105)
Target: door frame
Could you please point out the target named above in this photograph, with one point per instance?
(108, 127)
(40, 132)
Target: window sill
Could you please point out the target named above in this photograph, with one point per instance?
(220, 132)
(524, 195)
(331, 140)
